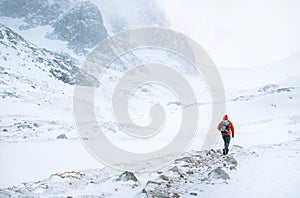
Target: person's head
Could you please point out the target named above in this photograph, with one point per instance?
(225, 117)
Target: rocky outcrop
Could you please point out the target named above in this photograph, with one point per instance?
(79, 23)
(218, 173)
(183, 178)
(60, 66)
(127, 176)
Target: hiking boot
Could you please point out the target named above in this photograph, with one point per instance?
(226, 152)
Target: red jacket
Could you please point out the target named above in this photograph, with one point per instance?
(231, 127)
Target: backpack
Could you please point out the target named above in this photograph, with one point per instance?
(225, 126)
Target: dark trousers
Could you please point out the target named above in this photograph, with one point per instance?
(226, 139)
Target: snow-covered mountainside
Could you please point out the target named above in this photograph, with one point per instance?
(17, 52)
(33, 76)
(81, 24)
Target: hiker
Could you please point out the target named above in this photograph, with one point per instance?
(227, 130)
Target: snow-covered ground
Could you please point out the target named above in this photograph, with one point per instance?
(38, 139)
(260, 171)
(266, 171)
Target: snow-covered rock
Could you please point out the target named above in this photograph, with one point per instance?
(218, 173)
(107, 182)
(22, 53)
(79, 23)
(82, 24)
(62, 136)
(126, 176)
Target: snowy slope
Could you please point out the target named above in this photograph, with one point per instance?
(266, 171)
(262, 171)
(35, 103)
(269, 131)
(245, 78)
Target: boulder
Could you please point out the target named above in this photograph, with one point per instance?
(62, 136)
(218, 173)
(164, 177)
(231, 161)
(126, 176)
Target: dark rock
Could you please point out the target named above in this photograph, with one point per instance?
(62, 136)
(210, 152)
(164, 177)
(82, 27)
(152, 182)
(190, 172)
(175, 169)
(79, 23)
(126, 176)
(232, 168)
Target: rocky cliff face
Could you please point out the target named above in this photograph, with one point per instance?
(83, 23)
(77, 22)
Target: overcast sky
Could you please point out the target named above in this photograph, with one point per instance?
(239, 33)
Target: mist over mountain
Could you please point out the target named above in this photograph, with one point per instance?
(81, 23)
(119, 16)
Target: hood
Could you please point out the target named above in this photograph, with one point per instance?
(225, 117)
